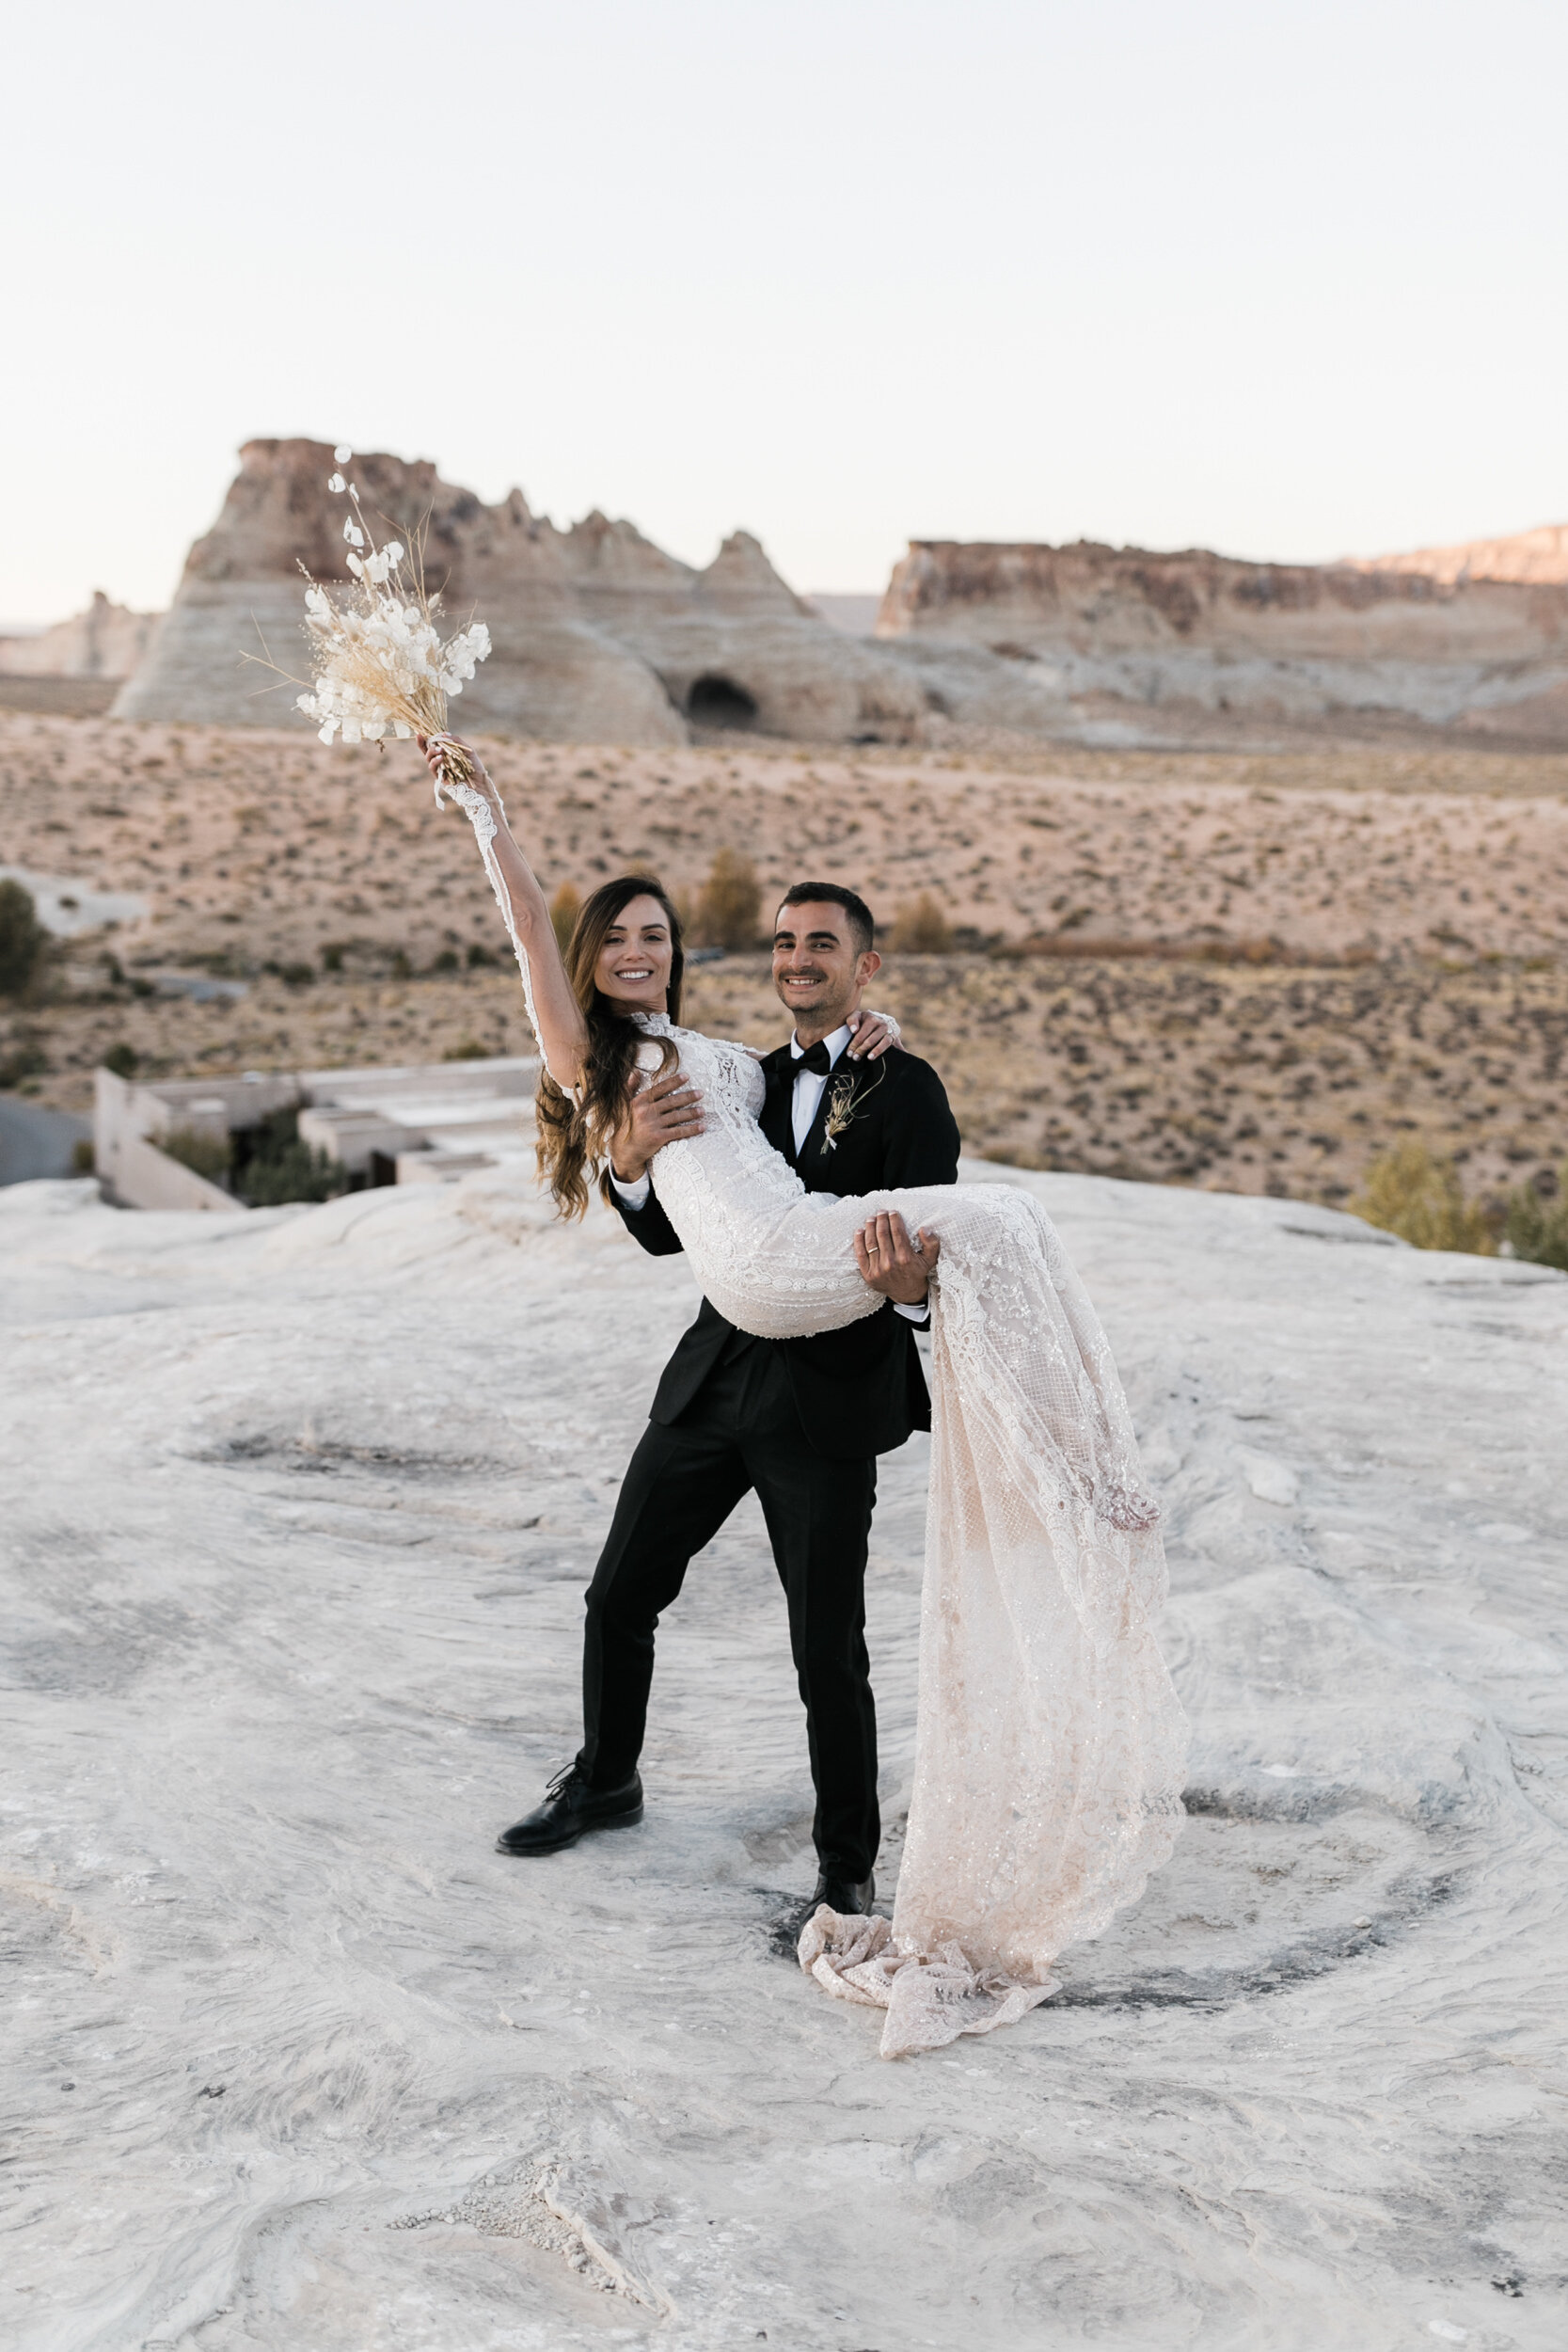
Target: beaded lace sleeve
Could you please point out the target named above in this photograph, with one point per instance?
(483, 818)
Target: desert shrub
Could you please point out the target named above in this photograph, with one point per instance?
(479, 957)
(298, 1172)
(123, 1060)
(922, 928)
(1411, 1192)
(332, 955)
(1537, 1228)
(293, 975)
(729, 908)
(27, 1060)
(83, 1157)
(564, 909)
(204, 1154)
(466, 1049)
(23, 939)
(446, 961)
(273, 1164)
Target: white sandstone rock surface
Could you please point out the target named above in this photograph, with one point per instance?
(297, 1511)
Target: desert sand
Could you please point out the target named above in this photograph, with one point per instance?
(297, 1510)
(1415, 904)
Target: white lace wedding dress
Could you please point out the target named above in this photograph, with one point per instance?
(1049, 1744)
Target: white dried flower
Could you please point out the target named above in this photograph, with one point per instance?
(336, 484)
(379, 663)
(342, 452)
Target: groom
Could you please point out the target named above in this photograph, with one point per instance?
(801, 1421)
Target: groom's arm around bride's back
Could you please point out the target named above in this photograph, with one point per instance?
(649, 1224)
(919, 1139)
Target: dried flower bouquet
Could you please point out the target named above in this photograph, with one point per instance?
(379, 664)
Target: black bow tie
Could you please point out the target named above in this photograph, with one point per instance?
(815, 1058)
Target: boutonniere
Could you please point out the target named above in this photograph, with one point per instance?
(846, 1097)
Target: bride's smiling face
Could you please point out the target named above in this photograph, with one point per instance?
(633, 969)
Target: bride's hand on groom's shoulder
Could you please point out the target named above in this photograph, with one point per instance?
(872, 1035)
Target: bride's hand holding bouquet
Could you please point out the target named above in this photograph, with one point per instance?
(452, 762)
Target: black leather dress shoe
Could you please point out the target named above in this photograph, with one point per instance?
(843, 1895)
(570, 1810)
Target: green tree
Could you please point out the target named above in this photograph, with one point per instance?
(1411, 1192)
(296, 1173)
(23, 939)
(206, 1155)
(271, 1164)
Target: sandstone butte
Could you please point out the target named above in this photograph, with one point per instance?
(601, 636)
(598, 635)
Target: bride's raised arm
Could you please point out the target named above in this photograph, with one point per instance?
(552, 1006)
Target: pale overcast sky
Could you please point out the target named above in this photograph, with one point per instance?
(1281, 280)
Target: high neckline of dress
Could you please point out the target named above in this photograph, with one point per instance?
(656, 1024)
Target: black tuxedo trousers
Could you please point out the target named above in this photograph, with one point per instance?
(743, 1431)
(802, 1422)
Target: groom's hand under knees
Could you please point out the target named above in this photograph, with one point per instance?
(665, 1112)
(891, 1262)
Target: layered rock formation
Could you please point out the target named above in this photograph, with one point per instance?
(1529, 555)
(601, 636)
(108, 641)
(598, 635)
(734, 647)
(1058, 638)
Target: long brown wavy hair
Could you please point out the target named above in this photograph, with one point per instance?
(574, 1135)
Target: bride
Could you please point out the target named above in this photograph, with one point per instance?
(1049, 1744)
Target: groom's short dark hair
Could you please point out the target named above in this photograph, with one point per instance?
(863, 927)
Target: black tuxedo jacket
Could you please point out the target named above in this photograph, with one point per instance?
(858, 1390)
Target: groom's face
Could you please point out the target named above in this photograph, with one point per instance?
(818, 971)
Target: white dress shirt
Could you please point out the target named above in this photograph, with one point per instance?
(802, 1110)
(809, 1085)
